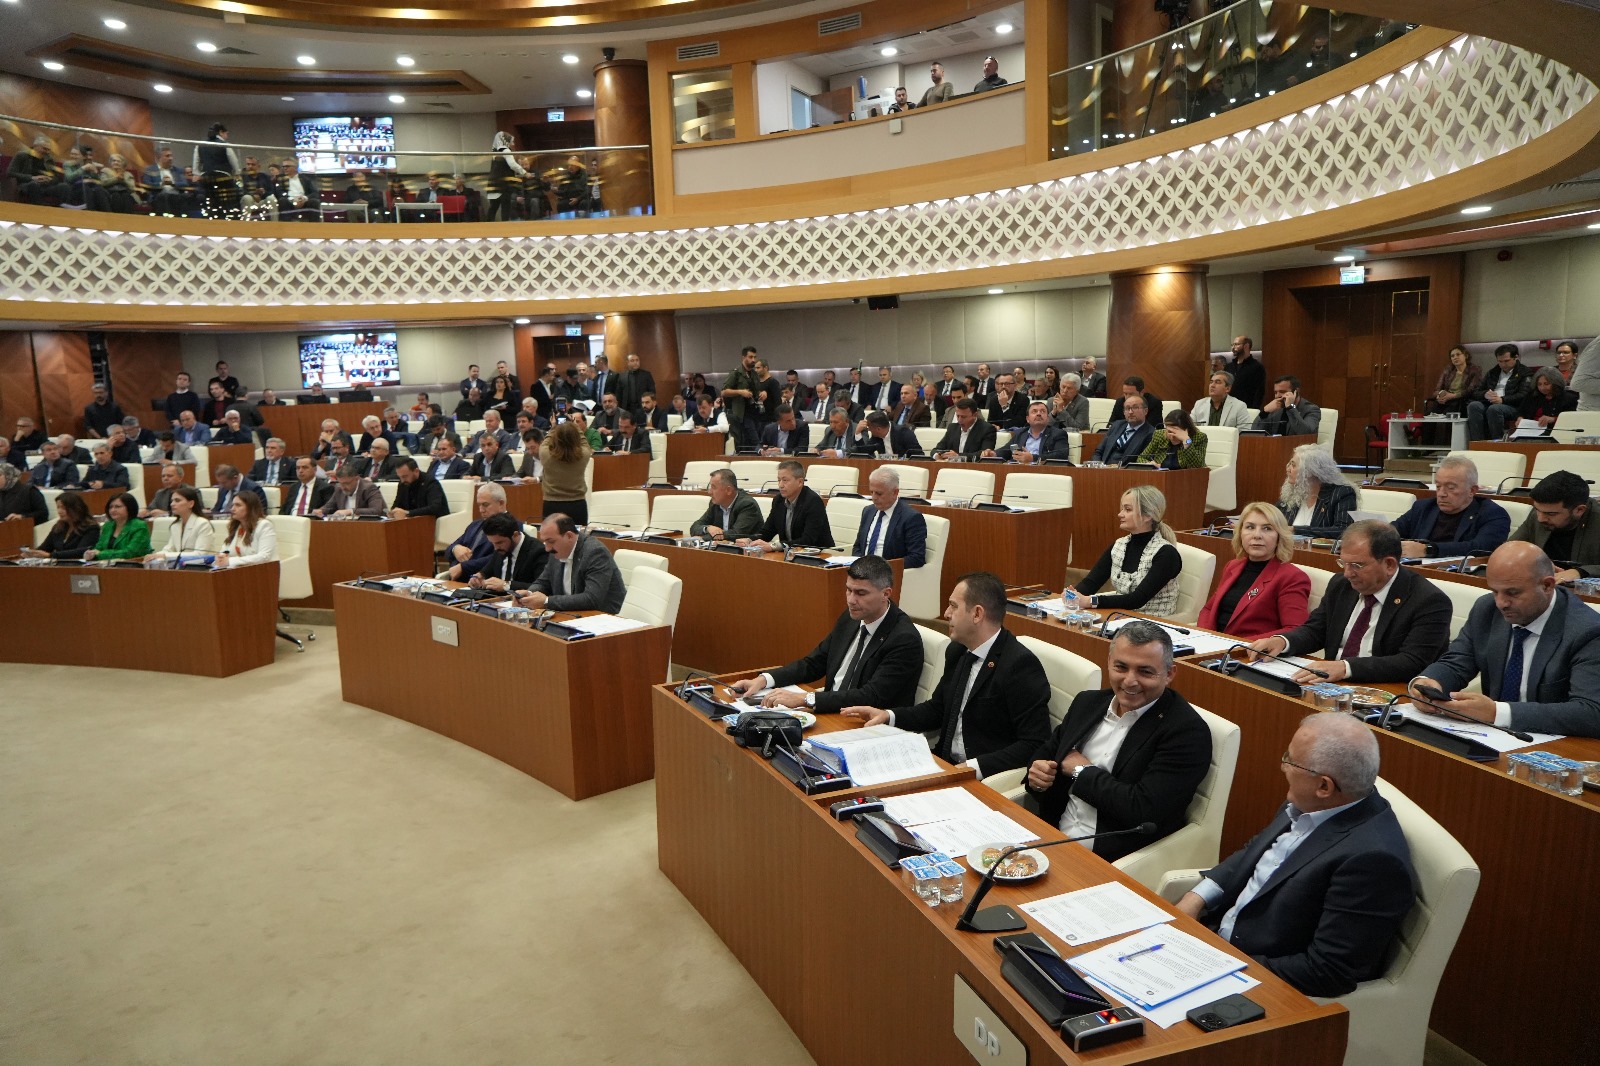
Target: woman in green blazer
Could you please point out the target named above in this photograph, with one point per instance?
(123, 535)
(1181, 445)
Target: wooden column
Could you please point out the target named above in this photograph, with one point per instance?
(1046, 53)
(653, 336)
(1161, 330)
(622, 116)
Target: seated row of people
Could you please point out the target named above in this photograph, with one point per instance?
(250, 537)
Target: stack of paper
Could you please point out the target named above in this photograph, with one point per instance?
(1155, 966)
(1486, 735)
(1091, 914)
(874, 755)
(954, 821)
(1202, 641)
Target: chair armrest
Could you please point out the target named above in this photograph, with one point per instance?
(1177, 883)
(1008, 783)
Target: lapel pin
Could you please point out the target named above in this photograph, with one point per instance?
(990, 664)
(1397, 601)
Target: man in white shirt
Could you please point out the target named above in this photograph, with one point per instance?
(889, 528)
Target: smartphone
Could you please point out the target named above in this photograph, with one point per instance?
(1226, 1012)
(1433, 692)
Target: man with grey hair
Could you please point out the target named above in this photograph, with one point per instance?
(891, 528)
(38, 174)
(161, 503)
(105, 472)
(71, 450)
(471, 551)
(275, 468)
(733, 512)
(1125, 756)
(1220, 407)
(1318, 896)
(1455, 521)
(1069, 408)
(1315, 497)
(21, 502)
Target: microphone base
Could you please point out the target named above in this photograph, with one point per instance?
(997, 919)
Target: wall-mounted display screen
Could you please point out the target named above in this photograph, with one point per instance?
(337, 144)
(339, 360)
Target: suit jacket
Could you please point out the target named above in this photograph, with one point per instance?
(503, 466)
(639, 442)
(1007, 715)
(903, 439)
(439, 469)
(366, 500)
(1054, 443)
(1277, 600)
(1516, 390)
(917, 415)
(24, 499)
(323, 449)
(843, 445)
(605, 421)
(421, 498)
(530, 563)
(1010, 416)
(468, 384)
(1093, 384)
(1331, 513)
(1563, 678)
(891, 664)
(1234, 412)
(1157, 769)
(744, 517)
(799, 437)
(655, 419)
(631, 387)
(1484, 527)
(1326, 917)
(1074, 415)
(979, 440)
(873, 392)
(258, 471)
(906, 538)
(63, 474)
(320, 491)
(597, 583)
(1413, 628)
(359, 463)
(385, 471)
(1152, 414)
(225, 498)
(112, 476)
(1303, 417)
(1585, 541)
(1109, 453)
(810, 521)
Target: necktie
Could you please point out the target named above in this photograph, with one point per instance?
(272, 473)
(905, 411)
(47, 472)
(305, 500)
(788, 524)
(1122, 441)
(877, 528)
(1511, 685)
(852, 673)
(958, 747)
(1352, 644)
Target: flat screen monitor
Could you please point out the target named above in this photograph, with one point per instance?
(339, 360)
(337, 144)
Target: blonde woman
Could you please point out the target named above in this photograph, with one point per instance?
(251, 538)
(565, 456)
(1143, 565)
(1261, 591)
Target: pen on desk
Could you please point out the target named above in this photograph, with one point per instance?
(1141, 951)
(1466, 732)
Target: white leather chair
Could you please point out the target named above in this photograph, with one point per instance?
(919, 588)
(294, 566)
(391, 489)
(628, 560)
(1074, 445)
(1518, 511)
(934, 644)
(458, 494)
(913, 479)
(1586, 423)
(963, 483)
(1194, 583)
(160, 530)
(653, 597)
(208, 496)
(1100, 408)
(202, 465)
(1198, 842)
(135, 480)
(698, 472)
(1040, 490)
(928, 437)
(1462, 599)
(1387, 502)
(765, 503)
(1585, 464)
(1222, 456)
(678, 511)
(42, 530)
(673, 422)
(844, 520)
(754, 473)
(824, 479)
(1319, 584)
(1495, 467)
(1328, 429)
(1389, 1015)
(619, 508)
(462, 498)
(658, 456)
(1069, 674)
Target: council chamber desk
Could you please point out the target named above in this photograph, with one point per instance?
(345, 550)
(299, 424)
(19, 533)
(575, 715)
(214, 623)
(684, 448)
(1539, 853)
(620, 471)
(860, 969)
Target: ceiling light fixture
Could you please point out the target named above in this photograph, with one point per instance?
(523, 321)
(51, 64)
(1594, 225)
(584, 94)
(888, 50)
(1480, 209)
(114, 24)
(405, 61)
(161, 87)
(306, 61)
(996, 292)
(1344, 259)
(1004, 28)
(396, 98)
(287, 99)
(569, 59)
(205, 46)
(599, 318)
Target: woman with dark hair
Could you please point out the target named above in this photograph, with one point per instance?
(1182, 446)
(251, 538)
(191, 530)
(501, 399)
(564, 458)
(1549, 398)
(1460, 378)
(123, 535)
(74, 533)
(1052, 381)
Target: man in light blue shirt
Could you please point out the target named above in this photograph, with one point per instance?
(1318, 896)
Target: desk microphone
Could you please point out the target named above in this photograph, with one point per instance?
(765, 485)
(1129, 614)
(1436, 696)
(1461, 564)
(1003, 919)
(1499, 490)
(972, 501)
(1313, 671)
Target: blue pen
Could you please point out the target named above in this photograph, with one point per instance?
(1466, 732)
(1141, 951)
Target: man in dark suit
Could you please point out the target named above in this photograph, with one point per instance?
(604, 380)
(798, 516)
(732, 513)
(353, 495)
(1535, 647)
(543, 391)
(803, 394)
(886, 394)
(983, 391)
(1287, 412)
(605, 419)
(633, 383)
(1500, 396)
(309, 493)
(419, 495)
(102, 412)
(1377, 620)
(1040, 439)
(470, 552)
(229, 484)
(1249, 375)
(233, 431)
(1008, 408)
(1564, 525)
(991, 706)
(105, 472)
(492, 463)
(820, 406)
(52, 471)
(858, 392)
(837, 440)
(72, 451)
(890, 441)
(1093, 383)
(474, 380)
(446, 464)
(372, 428)
(911, 411)
(1123, 757)
(652, 415)
(580, 574)
(1133, 385)
(1455, 521)
(873, 655)
(1126, 438)
(630, 437)
(517, 559)
(1318, 896)
(276, 468)
(787, 435)
(160, 504)
(891, 528)
(381, 466)
(968, 436)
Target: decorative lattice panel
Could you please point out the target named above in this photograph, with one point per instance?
(1468, 102)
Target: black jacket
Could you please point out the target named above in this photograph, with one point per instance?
(1330, 515)
(503, 466)
(1152, 414)
(979, 440)
(423, 496)
(1108, 452)
(1413, 628)
(1054, 443)
(531, 562)
(810, 521)
(320, 491)
(903, 438)
(891, 665)
(1007, 716)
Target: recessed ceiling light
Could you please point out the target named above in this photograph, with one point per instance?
(1344, 259)
(396, 98)
(161, 87)
(51, 64)
(306, 61)
(205, 46)
(405, 61)
(569, 59)
(996, 292)
(114, 24)
(1004, 28)
(584, 94)
(599, 318)
(287, 99)
(1481, 209)
(888, 50)
(523, 321)
(1594, 225)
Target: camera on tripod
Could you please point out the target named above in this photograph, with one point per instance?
(1177, 11)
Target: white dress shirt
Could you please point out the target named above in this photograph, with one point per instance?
(1502, 709)
(878, 531)
(837, 681)
(1101, 748)
(1365, 649)
(958, 748)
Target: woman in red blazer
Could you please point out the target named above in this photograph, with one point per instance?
(1261, 591)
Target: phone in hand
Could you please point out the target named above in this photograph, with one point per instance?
(1432, 692)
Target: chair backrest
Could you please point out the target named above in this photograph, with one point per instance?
(1100, 408)
(913, 479)
(1462, 599)
(653, 597)
(202, 465)
(390, 489)
(1518, 511)
(919, 588)
(1585, 422)
(620, 508)
(1328, 429)
(160, 530)
(1222, 455)
(1319, 584)
(1387, 502)
(933, 645)
(678, 511)
(1222, 446)
(1210, 801)
(294, 556)
(1194, 583)
(765, 504)
(1040, 490)
(844, 520)
(135, 480)
(824, 479)
(698, 472)
(658, 456)
(1586, 464)
(673, 422)
(628, 561)
(459, 494)
(928, 436)
(754, 473)
(955, 483)
(1069, 674)
(1495, 467)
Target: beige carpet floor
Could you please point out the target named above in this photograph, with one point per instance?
(251, 871)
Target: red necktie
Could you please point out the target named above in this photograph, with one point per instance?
(1352, 644)
(305, 500)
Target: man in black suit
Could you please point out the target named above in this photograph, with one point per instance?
(276, 468)
(889, 441)
(604, 380)
(381, 466)
(1318, 896)
(419, 495)
(858, 392)
(1122, 757)
(28, 437)
(72, 451)
(543, 391)
(630, 437)
(1125, 439)
(229, 484)
(105, 472)
(233, 431)
(891, 528)
(1534, 645)
(1249, 376)
(518, 559)
(968, 436)
(798, 516)
(309, 492)
(1008, 408)
(803, 393)
(372, 428)
(991, 706)
(872, 656)
(1040, 439)
(837, 440)
(492, 463)
(983, 391)
(787, 435)
(651, 414)
(1133, 385)
(1377, 621)
(633, 383)
(886, 394)
(52, 471)
(473, 380)
(446, 463)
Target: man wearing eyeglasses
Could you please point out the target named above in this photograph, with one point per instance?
(1377, 621)
(1318, 896)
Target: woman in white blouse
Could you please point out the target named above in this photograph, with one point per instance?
(251, 538)
(191, 530)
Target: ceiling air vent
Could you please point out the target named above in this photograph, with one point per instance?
(704, 50)
(446, 105)
(839, 24)
(232, 51)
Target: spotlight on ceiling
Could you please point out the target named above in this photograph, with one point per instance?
(161, 87)
(1479, 209)
(396, 98)
(584, 94)
(114, 24)
(306, 61)
(1344, 259)
(888, 50)
(1004, 28)
(205, 46)
(569, 59)
(51, 64)
(405, 61)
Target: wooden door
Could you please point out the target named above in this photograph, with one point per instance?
(1369, 348)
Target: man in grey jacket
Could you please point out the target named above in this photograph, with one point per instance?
(581, 574)
(1288, 413)
(1221, 407)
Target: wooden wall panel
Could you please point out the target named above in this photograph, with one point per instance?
(19, 397)
(61, 361)
(143, 367)
(1160, 329)
(35, 98)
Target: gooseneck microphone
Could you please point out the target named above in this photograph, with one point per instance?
(1003, 919)
(1433, 697)
(1313, 671)
(1105, 631)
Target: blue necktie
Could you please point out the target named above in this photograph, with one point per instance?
(872, 542)
(1511, 684)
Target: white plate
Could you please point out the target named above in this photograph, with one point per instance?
(975, 861)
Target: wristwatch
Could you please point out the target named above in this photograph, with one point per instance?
(1094, 602)
(1076, 770)
(811, 699)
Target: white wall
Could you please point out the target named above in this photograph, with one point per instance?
(1236, 307)
(275, 130)
(774, 80)
(966, 70)
(1548, 290)
(428, 354)
(881, 80)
